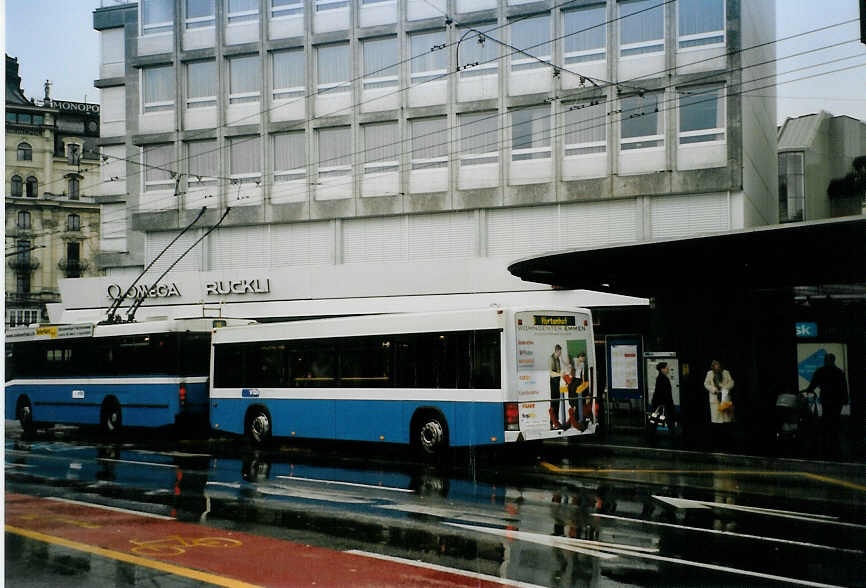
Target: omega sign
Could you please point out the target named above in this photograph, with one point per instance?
(144, 291)
(225, 287)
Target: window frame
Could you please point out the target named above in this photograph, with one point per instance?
(158, 28)
(73, 185)
(326, 5)
(520, 61)
(716, 134)
(483, 158)
(634, 142)
(193, 180)
(377, 80)
(485, 68)
(343, 85)
(288, 175)
(247, 96)
(290, 92)
(199, 101)
(586, 147)
(438, 162)
(31, 186)
(159, 105)
(583, 56)
(248, 177)
(636, 49)
(784, 186)
(381, 165)
(73, 222)
(332, 170)
(16, 186)
(23, 221)
(240, 16)
(156, 185)
(199, 22)
(531, 153)
(423, 76)
(702, 36)
(24, 151)
(294, 9)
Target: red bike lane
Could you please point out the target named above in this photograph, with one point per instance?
(222, 557)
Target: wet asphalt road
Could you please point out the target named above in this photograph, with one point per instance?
(544, 517)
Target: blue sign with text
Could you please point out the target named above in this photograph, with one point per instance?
(807, 329)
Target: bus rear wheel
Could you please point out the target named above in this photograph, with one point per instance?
(110, 418)
(258, 426)
(431, 435)
(25, 415)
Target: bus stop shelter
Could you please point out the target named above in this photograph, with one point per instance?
(738, 297)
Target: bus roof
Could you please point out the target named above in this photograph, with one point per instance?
(459, 320)
(82, 330)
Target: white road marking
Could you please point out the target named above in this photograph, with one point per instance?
(144, 463)
(640, 553)
(445, 513)
(353, 484)
(575, 545)
(112, 508)
(456, 571)
(20, 465)
(728, 533)
(787, 514)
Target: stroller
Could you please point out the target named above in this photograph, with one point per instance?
(796, 416)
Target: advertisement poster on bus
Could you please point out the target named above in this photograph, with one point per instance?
(546, 341)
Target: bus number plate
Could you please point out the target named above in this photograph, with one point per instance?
(78, 394)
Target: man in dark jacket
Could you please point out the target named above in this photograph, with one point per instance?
(663, 396)
(834, 395)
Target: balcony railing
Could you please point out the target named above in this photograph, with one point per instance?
(23, 264)
(73, 268)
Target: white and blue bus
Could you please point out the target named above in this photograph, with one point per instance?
(434, 380)
(142, 374)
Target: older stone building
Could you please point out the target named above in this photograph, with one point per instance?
(52, 224)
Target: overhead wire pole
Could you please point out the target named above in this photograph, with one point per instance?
(130, 316)
(112, 310)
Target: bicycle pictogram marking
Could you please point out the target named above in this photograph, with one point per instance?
(177, 545)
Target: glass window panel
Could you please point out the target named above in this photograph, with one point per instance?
(287, 8)
(530, 130)
(471, 51)
(585, 33)
(382, 144)
(245, 157)
(200, 13)
(244, 79)
(380, 69)
(532, 35)
(201, 83)
(25, 152)
(159, 88)
(641, 118)
(335, 148)
(479, 136)
(288, 72)
(586, 128)
(642, 21)
(158, 161)
(701, 109)
(17, 185)
(425, 56)
(334, 64)
(290, 153)
(157, 16)
(242, 10)
(203, 162)
(429, 142)
(701, 16)
(791, 186)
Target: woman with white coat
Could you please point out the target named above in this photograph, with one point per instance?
(719, 383)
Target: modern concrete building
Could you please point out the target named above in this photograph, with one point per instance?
(400, 147)
(814, 150)
(52, 224)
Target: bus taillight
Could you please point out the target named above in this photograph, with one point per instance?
(181, 394)
(511, 417)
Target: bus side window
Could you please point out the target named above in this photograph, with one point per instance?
(314, 365)
(228, 366)
(486, 360)
(366, 362)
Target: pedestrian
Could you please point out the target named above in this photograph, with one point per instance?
(719, 383)
(834, 395)
(555, 369)
(577, 387)
(663, 396)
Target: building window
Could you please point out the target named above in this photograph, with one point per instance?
(245, 160)
(532, 35)
(158, 88)
(641, 27)
(73, 186)
(585, 128)
(25, 152)
(476, 55)
(23, 219)
(157, 16)
(32, 187)
(200, 14)
(380, 71)
(73, 153)
(585, 34)
(22, 282)
(23, 247)
(286, 8)
(429, 138)
(73, 260)
(323, 5)
(242, 10)
(335, 151)
(702, 115)
(73, 222)
(16, 185)
(701, 22)
(381, 147)
(334, 66)
(23, 316)
(429, 56)
(288, 74)
(157, 160)
(530, 133)
(201, 84)
(245, 79)
(792, 193)
(203, 160)
(479, 138)
(641, 123)
(289, 157)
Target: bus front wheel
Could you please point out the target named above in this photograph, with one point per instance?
(258, 426)
(110, 418)
(25, 415)
(431, 434)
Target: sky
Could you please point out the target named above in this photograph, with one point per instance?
(55, 40)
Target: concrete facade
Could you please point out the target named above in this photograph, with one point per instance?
(814, 150)
(52, 223)
(526, 196)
